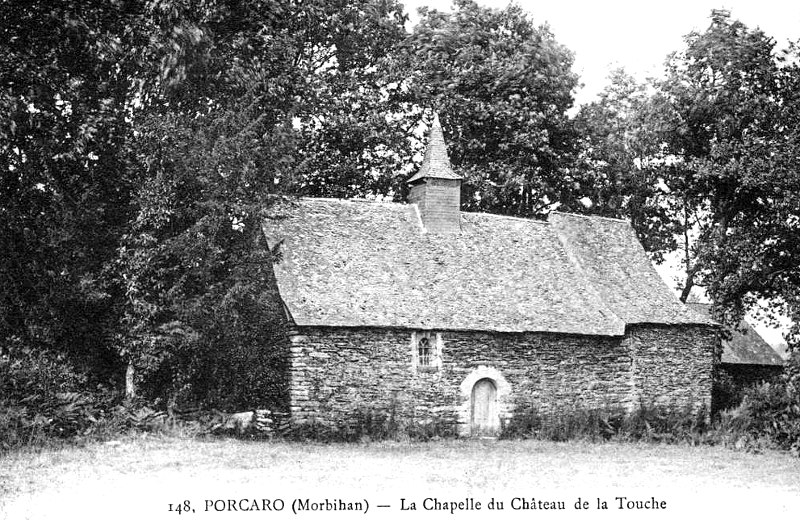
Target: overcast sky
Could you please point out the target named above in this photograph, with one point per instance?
(637, 35)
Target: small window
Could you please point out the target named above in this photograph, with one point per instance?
(424, 352)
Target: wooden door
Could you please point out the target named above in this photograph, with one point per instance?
(485, 421)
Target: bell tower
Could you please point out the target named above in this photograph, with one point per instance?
(435, 188)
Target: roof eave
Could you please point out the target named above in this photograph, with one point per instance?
(608, 333)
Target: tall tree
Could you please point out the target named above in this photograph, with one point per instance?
(352, 129)
(734, 107)
(64, 172)
(217, 137)
(622, 155)
(502, 86)
(140, 144)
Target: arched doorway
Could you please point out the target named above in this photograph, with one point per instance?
(484, 420)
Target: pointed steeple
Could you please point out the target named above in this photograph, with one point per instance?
(435, 188)
(435, 163)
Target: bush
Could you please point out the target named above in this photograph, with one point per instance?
(648, 423)
(768, 417)
(366, 424)
(726, 392)
(232, 357)
(41, 398)
(577, 423)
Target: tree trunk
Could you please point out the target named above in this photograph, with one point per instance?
(130, 386)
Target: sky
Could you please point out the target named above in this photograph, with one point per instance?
(639, 35)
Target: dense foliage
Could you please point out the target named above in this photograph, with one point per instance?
(623, 162)
(706, 159)
(65, 188)
(502, 87)
(733, 109)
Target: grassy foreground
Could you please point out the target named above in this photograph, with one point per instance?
(141, 477)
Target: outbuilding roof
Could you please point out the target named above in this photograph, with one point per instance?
(357, 263)
(745, 346)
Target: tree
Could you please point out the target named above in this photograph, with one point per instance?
(734, 136)
(64, 183)
(353, 140)
(141, 142)
(218, 138)
(621, 154)
(502, 87)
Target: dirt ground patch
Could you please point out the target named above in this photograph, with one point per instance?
(140, 478)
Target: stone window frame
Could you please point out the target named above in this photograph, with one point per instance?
(435, 344)
(426, 351)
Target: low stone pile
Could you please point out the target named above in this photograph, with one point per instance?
(261, 422)
(271, 423)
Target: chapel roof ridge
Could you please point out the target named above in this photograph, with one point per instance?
(508, 217)
(596, 217)
(358, 200)
(543, 221)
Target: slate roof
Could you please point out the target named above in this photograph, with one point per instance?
(614, 261)
(745, 346)
(435, 163)
(358, 263)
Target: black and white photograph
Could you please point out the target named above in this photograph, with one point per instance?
(419, 259)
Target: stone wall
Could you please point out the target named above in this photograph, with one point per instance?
(673, 366)
(337, 373)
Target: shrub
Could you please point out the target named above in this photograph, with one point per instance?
(726, 392)
(576, 423)
(230, 355)
(366, 424)
(769, 416)
(41, 398)
(649, 423)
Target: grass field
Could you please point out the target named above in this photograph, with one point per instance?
(140, 478)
